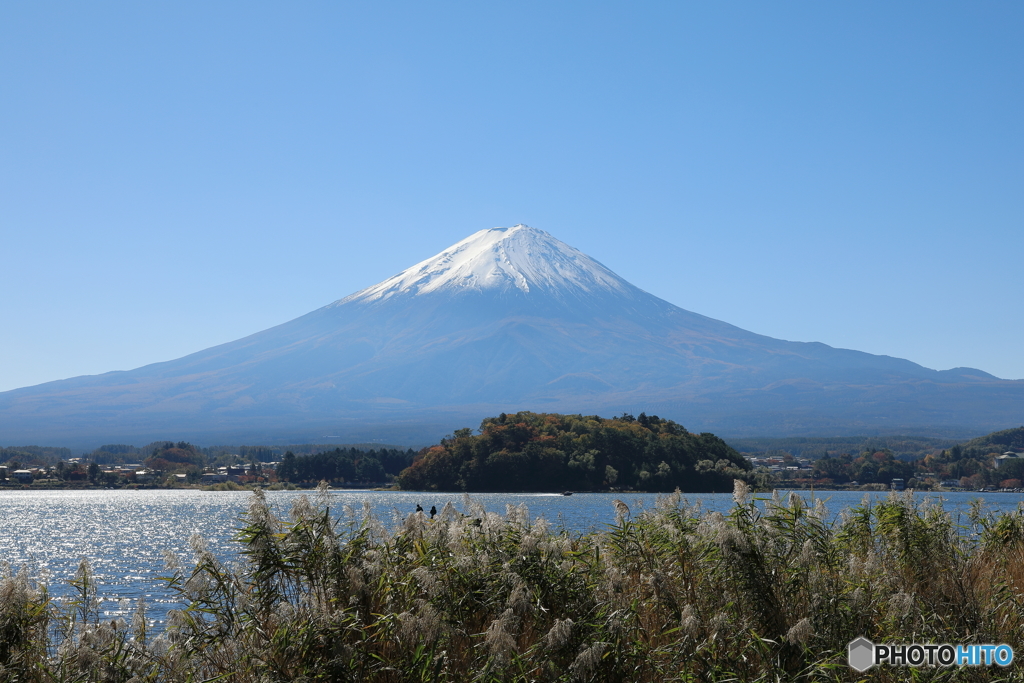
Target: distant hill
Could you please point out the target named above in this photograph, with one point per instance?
(902, 447)
(550, 452)
(508, 319)
(1002, 441)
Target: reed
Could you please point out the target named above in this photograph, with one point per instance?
(772, 591)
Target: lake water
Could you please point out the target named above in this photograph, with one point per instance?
(124, 533)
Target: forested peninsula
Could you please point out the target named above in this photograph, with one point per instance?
(552, 452)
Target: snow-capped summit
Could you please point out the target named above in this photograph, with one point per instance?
(503, 259)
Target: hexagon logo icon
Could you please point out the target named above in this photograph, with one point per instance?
(861, 654)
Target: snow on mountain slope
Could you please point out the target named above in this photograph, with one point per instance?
(517, 258)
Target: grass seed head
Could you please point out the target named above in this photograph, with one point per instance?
(587, 661)
(740, 492)
(427, 580)
(498, 639)
(689, 622)
(900, 605)
(621, 511)
(559, 634)
(302, 509)
(807, 554)
(801, 632)
(519, 599)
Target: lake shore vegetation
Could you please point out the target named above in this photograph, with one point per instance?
(774, 590)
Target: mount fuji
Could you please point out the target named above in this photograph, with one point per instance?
(507, 319)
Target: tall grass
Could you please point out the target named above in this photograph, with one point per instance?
(772, 591)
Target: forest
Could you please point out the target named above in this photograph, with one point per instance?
(971, 464)
(344, 465)
(552, 452)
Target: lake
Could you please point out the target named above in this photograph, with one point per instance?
(125, 533)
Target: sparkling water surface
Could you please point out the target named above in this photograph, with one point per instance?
(125, 533)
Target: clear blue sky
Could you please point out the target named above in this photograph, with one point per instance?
(175, 175)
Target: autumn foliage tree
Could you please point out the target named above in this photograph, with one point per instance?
(175, 457)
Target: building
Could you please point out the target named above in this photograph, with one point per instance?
(1008, 455)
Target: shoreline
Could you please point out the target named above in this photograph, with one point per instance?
(309, 486)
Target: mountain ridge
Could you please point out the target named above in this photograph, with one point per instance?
(505, 320)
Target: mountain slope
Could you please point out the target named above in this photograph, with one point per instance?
(507, 319)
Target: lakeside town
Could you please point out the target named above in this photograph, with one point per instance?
(991, 463)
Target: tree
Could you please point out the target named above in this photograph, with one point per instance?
(832, 468)
(286, 470)
(1011, 469)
